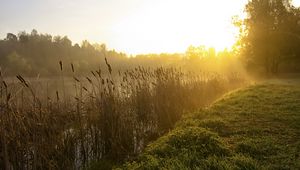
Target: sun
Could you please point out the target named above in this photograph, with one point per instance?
(172, 25)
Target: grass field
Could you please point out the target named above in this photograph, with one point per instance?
(257, 127)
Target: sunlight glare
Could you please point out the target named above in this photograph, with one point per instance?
(296, 3)
(173, 25)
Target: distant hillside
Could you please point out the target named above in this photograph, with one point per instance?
(253, 128)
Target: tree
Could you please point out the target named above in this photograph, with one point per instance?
(23, 37)
(268, 34)
(195, 53)
(34, 32)
(11, 37)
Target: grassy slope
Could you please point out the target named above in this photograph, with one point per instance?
(253, 128)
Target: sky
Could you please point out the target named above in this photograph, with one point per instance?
(131, 26)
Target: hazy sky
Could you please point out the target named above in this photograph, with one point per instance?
(132, 26)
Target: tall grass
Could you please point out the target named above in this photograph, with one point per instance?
(110, 115)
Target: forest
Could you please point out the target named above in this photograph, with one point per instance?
(38, 54)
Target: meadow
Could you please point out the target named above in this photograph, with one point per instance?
(256, 127)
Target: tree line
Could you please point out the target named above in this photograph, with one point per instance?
(32, 54)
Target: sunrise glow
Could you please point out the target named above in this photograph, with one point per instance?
(170, 26)
(131, 26)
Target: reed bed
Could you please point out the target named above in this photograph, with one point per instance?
(109, 115)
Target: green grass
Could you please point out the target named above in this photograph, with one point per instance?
(257, 127)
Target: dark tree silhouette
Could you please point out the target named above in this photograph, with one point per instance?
(270, 36)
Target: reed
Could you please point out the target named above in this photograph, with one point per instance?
(108, 117)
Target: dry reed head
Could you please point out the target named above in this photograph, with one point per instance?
(99, 72)
(4, 83)
(72, 67)
(22, 80)
(8, 97)
(89, 80)
(61, 65)
(57, 96)
(76, 79)
(108, 66)
(84, 88)
(93, 74)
